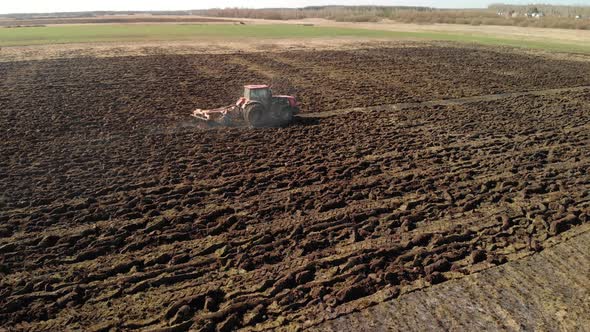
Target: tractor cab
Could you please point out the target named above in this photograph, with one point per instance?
(259, 93)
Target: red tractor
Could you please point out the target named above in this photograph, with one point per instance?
(257, 108)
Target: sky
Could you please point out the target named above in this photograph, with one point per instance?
(44, 6)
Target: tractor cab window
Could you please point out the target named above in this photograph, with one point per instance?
(260, 94)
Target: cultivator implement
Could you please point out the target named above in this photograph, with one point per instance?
(225, 116)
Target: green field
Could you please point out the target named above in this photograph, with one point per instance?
(163, 32)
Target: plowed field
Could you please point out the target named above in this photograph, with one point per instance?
(116, 212)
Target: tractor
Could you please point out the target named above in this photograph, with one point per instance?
(257, 108)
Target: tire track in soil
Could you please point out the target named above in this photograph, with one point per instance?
(442, 102)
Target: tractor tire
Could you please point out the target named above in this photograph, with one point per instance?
(254, 115)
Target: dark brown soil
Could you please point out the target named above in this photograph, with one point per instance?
(116, 212)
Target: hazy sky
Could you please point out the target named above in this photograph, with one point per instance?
(39, 6)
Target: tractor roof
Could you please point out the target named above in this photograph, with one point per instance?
(254, 87)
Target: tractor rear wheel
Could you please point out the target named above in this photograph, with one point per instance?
(254, 115)
(285, 116)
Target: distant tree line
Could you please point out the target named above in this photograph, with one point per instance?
(554, 16)
(338, 13)
(566, 17)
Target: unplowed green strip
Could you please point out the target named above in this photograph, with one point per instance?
(162, 32)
